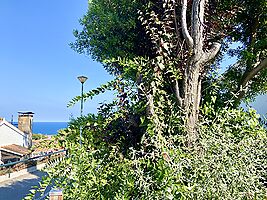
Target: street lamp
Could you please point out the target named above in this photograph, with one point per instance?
(82, 79)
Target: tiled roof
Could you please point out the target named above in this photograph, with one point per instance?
(17, 149)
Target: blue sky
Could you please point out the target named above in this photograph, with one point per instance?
(38, 68)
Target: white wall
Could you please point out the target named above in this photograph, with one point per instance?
(10, 135)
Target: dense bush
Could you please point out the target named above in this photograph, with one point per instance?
(229, 161)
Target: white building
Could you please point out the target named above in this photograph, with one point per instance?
(10, 134)
(15, 142)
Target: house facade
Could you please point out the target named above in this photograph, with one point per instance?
(10, 134)
(15, 142)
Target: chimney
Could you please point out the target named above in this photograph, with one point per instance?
(25, 125)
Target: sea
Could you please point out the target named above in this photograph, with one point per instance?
(48, 128)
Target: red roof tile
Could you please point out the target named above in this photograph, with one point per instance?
(17, 149)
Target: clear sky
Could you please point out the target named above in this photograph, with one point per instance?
(38, 68)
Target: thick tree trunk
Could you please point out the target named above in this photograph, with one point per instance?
(192, 82)
(191, 88)
(192, 96)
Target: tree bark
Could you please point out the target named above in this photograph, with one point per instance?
(191, 79)
(191, 87)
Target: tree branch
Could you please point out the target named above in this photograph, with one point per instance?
(197, 20)
(249, 76)
(209, 55)
(177, 93)
(186, 35)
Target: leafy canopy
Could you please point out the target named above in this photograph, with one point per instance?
(136, 147)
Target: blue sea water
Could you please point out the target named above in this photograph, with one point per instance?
(48, 128)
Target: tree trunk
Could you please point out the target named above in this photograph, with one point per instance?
(191, 88)
(192, 96)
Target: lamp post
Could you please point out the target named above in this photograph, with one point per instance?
(82, 79)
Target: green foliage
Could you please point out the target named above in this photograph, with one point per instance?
(229, 162)
(111, 30)
(130, 29)
(136, 147)
(250, 31)
(89, 95)
(38, 136)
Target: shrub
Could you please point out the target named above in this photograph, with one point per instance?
(229, 162)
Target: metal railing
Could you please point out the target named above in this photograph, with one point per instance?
(32, 159)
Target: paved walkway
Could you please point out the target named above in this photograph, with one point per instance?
(18, 188)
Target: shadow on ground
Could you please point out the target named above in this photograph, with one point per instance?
(18, 188)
